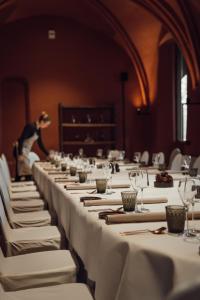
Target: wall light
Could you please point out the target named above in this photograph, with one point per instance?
(51, 34)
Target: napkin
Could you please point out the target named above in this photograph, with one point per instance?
(119, 201)
(56, 173)
(82, 186)
(63, 180)
(136, 217)
(143, 217)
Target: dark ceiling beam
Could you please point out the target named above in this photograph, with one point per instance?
(129, 46)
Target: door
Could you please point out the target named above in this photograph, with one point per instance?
(15, 114)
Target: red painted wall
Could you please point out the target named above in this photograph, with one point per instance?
(81, 67)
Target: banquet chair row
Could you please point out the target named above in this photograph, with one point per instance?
(22, 192)
(71, 291)
(27, 219)
(144, 157)
(24, 186)
(28, 239)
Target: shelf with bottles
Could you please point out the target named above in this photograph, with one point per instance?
(89, 143)
(97, 125)
(87, 126)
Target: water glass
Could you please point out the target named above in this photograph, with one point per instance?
(129, 200)
(175, 216)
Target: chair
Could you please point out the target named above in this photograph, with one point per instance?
(31, 205)
(116, 154)
(172, 155)
(176, 163)
(36, 269)
(33, 157)
(196, 164)
(136, 157)
(145, 157)
(27, 240)
(186, 291)
(8, 177)
(28, 219)
(17, 193)
(158, 158)
(71, 291)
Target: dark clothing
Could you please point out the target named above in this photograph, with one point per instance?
(23, 147)
(28, 132)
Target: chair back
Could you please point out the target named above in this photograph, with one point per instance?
(172, 155)
(136, 156)
(190, 290)
(5, 228)
(196, 164)
(6, 170)
(145, 157)
(32, 158)
(176, 163)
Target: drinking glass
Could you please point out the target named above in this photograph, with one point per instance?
(142, 183)
(108, 174)
(132, 177)
(187, 194)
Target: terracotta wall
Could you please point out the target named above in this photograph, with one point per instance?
(80, 67)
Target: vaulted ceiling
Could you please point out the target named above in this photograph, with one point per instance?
(138, 26)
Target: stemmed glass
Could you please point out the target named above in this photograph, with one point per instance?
(132, 177)
(186, 163)
(187, 195)
(142, 183)
(108, 174)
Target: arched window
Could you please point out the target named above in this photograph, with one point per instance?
(181, 96)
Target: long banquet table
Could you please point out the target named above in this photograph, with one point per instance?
(142, 266)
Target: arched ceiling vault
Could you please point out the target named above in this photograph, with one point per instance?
(134, 24)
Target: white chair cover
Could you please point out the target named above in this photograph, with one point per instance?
(136, 156)
(8, 176)
(29, 219)
(36, 269)
(32, 158)
(172, 155)
(161, 157)
(28, 240)
(196, 164)
(71, 291)
(145, 157)
(187, 291)
(116, 154)
(21, 206)
(176, 162)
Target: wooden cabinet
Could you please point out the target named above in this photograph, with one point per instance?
(89, 128)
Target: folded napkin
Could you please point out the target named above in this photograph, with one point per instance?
(49, 169)
(119, 201)
(142, 217)
(56, 173)
(63, 180)
(105, 214)
(83, 186)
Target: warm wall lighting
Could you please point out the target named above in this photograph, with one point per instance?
(51, 34)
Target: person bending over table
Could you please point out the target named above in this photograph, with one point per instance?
(22, 148)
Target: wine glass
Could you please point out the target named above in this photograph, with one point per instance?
(187, 194)
(142, 182)
(132, 177)
(107, 169)
(186, 163)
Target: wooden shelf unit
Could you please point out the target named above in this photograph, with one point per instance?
(90, 128)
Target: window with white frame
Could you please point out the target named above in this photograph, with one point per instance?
(182, 95)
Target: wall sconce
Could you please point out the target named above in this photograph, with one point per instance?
(143, 110)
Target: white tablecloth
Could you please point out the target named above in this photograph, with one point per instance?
(142, 266)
